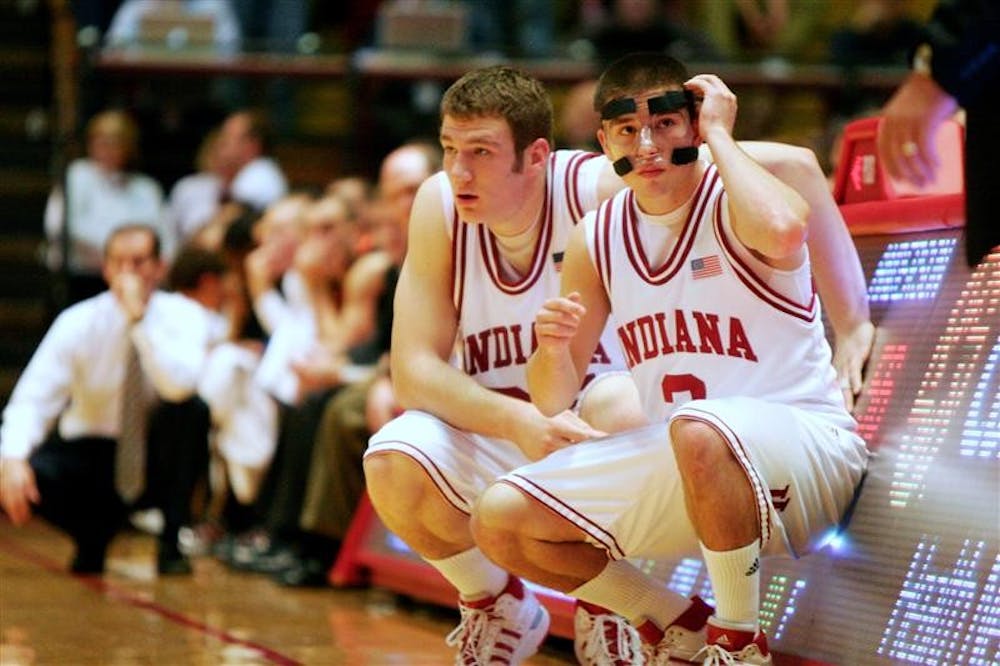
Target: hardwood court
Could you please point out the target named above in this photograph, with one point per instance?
(215, 617)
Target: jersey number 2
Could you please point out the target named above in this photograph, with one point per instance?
(674, 384)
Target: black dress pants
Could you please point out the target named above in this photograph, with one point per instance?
(76, 478)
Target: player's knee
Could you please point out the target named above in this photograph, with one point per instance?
(698, 448)
(498, 508)
(612, 404)
(496, 515)
(388, 477)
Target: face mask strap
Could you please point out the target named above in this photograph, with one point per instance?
(668, 102)
(618, 107)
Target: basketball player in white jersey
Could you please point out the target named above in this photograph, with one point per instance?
(706, 274)
(486, 243)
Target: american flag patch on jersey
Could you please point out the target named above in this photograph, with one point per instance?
(706, 267)
(557, 261)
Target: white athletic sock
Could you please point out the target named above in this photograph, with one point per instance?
(637, 597)
(735, 578)
(472, 574)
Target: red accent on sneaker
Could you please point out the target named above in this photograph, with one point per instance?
(735, 640)
(696, 615)
(649, 632)
(593, 609)
(514, 588)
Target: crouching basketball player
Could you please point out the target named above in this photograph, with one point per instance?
(705, 271)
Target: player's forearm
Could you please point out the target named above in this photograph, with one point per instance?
(839, 277)
(552, 380)
(768, 215)
(429, 384)
(834, 258)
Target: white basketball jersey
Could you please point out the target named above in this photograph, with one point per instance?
(496, 315)
(704, 324)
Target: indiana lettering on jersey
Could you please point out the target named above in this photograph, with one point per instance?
(503, 346)
(684, 332)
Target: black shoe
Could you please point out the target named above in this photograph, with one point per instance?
(277, 558)
(240, 550)
(172, 564)
(87, 564)
(89, 558)
(307, 572)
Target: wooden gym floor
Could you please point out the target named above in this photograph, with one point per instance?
(215, 617)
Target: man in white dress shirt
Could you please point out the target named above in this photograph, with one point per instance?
(76, 380)
(104, 193)
(243, 148)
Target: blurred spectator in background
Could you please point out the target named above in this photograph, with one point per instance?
(353, 190)
(626, 26)
(336, 478)
(201, 275)
(103, 420)
(515, 28)
(880, 32)
(957, 63)
(244, 146)
(104, 193)
(275, 26)
(303, 365)
(752, 30)
(195, 198)
(276, 290)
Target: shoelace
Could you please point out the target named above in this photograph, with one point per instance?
(598, 648)
(473, 634)
(717, 656)
(659, 654)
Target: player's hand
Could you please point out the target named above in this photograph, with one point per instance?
(557, 322)
(717, 108)
(540, 435)
(850, 360)
(18, 490)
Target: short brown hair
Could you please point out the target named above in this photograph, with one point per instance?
(119, 124)
(508, 93)
(638, 72)
(130, 227)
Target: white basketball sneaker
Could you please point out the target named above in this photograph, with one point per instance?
(506, 629)
(683, 639)
(731, 647)
(602, 638)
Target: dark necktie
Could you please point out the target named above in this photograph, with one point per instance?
(130, 457)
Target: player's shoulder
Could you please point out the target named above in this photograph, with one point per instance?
(433, 197)
(576, 159)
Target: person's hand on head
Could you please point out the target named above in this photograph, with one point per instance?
(717, 104)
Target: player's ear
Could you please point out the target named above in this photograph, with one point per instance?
(602, 139)
(537, 153)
